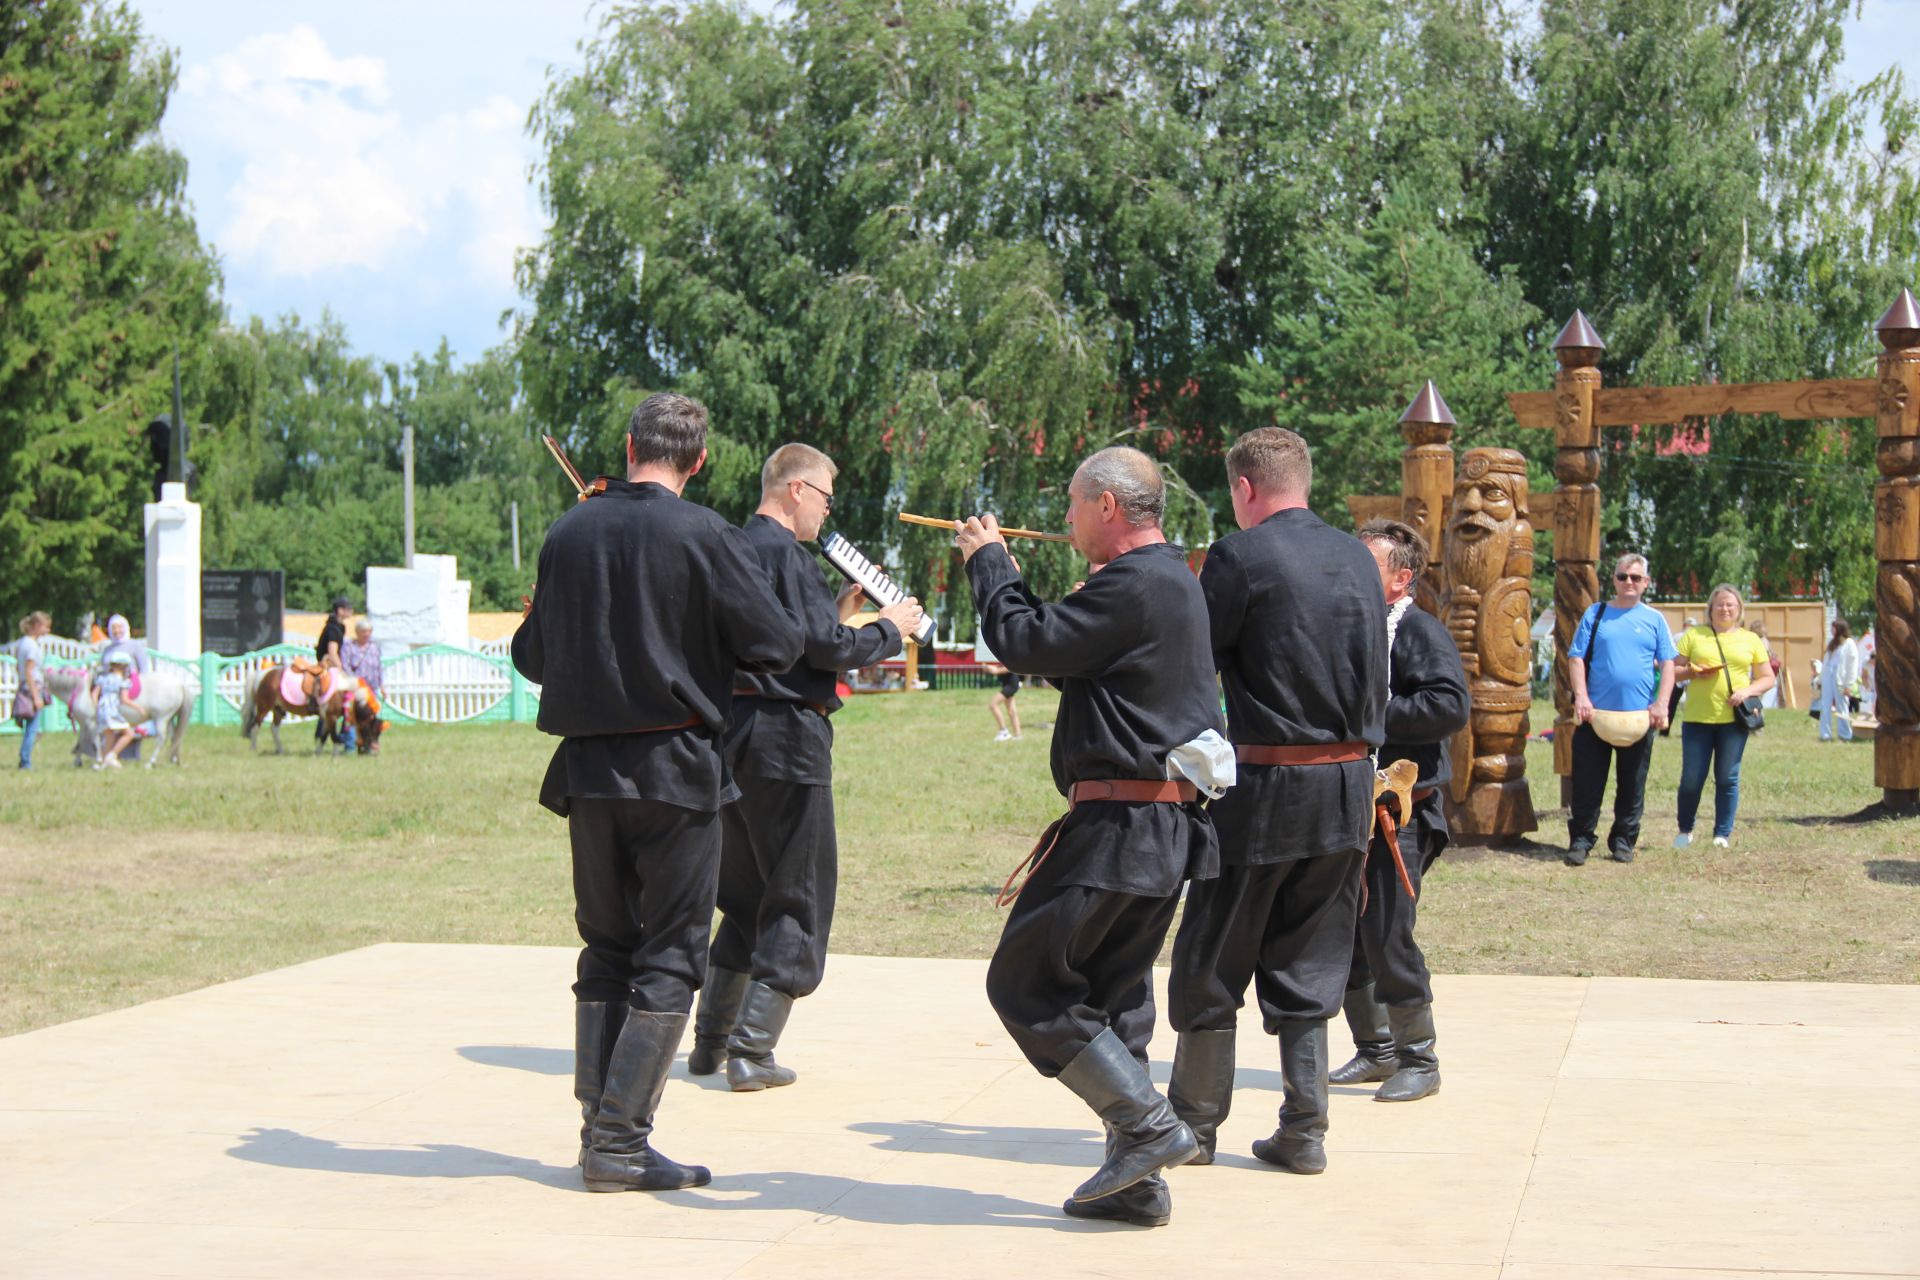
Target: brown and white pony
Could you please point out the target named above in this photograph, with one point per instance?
(297, 689)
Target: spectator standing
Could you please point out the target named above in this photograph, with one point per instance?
(1869, 692)
(1723, 664)
(1771, 698)
(360, 657)
(1001, 703)
(1621, 667)
(30, 699)
(120, 640)
(1839, 668)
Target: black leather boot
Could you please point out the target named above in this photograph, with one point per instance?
(596, 1025)
(1298, 1145)
(1419, 1073)
(1147, 1203)
(763, 1016)
(1373, 1056)
(1148, 1137)
(713, 1022)
(1201, 1091)
(618, 1155)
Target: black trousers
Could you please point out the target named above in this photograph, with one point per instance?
(1591, 757)
(1285, 926)
(644, 874)
(779, 871)
(1073, 961)
(1384, 952)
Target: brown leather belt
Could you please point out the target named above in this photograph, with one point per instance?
(1132, 791)
(1095, 791)
(1335, 753)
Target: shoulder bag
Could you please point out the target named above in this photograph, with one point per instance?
(1746, 713)
(1615, 728)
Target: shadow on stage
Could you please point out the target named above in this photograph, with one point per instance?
(520, 1057)
(901, 1204)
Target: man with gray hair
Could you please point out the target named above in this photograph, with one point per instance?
(1072, 976)
(1389, 1000)
(779, 863)
(1299, 634)
(1620, 664)
(646, 607)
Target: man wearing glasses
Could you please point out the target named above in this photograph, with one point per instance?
(1621, 667)
(779, 860)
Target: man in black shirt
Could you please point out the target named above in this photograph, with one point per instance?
(779, 862)
(646, 604)
(1300, 637)
(1389, 1002)
(1072, 976)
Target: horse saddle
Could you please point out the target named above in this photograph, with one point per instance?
(308, 688)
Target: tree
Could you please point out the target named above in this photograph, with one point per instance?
(1691, 173)
(102, 277)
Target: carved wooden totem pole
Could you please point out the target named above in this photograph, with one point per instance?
(1489, 612)
(1426, 485)
(1896, 746)
(1576, 514)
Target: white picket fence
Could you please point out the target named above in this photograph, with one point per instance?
(438, 685)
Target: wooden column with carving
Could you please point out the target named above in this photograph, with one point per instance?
(1576, 515)
(1896, 545)
(1426, 485)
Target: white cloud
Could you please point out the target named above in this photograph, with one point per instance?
(330, 175)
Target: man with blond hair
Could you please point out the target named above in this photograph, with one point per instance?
(779, 862)
(1299, 634)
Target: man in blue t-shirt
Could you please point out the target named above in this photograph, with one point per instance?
(1621, 660)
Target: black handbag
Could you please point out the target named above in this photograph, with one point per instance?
(1746, 713)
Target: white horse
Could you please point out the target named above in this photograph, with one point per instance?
(162, 696)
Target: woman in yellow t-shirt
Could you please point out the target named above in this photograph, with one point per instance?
(1722, 663)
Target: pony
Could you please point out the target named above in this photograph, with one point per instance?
(162, 696)
(282, 691)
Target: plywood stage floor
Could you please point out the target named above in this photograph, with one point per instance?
(407, 1111)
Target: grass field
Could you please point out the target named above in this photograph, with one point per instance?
(118, 888)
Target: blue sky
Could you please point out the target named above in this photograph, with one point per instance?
(372, 158)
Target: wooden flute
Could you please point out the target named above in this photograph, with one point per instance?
(954, 525)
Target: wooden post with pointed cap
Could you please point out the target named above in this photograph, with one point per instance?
(1426, 483)
(1576, 516)
(1896, 545)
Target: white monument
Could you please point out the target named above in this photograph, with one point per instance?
(173, 573)
(426, 604)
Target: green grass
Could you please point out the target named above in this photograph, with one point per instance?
(118, 888)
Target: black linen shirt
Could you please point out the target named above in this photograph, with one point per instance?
(645, 606)
(1427, 704)
(776, 733)
(1129, 654)
(1299, 631)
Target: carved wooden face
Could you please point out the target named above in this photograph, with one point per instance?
(1486, 516)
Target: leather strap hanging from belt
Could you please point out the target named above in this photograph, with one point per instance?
(1390, 832)
(1117, 790)
(1331, 753)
